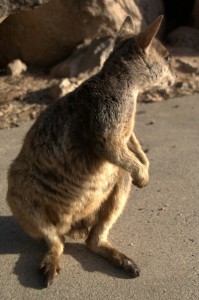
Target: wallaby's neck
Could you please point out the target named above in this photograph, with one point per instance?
(122, 80)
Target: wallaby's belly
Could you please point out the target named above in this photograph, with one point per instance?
(95, 191)
(33, 196)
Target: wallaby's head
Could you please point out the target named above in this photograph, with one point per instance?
(143, 55)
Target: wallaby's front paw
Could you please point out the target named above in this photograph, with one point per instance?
(142, 179)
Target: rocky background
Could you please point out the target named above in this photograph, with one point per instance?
(48, 47)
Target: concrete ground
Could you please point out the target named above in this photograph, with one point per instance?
(159, 227)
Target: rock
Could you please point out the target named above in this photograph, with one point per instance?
(8, 7)
(184, 37)
(80, 62)
(62, 89)
(181, 85)
(50, 33)
(16, 67)
(33, 115)
(196, 14)
(186, 60)
(189, 66)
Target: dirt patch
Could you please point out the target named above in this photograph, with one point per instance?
(23, 97)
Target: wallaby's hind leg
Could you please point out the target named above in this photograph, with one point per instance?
(50, 265)
(109, 212)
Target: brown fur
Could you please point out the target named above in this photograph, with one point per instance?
(74, 172)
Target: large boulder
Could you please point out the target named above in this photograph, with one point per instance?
(8, 7)
(196, 14)
(186, 37)
(150, 9)
(85, 60)
(50, 33)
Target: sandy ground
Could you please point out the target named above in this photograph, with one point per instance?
(159, 227)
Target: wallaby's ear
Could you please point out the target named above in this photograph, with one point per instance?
(126, 29)
(148, 34)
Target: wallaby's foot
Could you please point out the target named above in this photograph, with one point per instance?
(120, 260)
(50, 267)
(115, 257)
(130, 267)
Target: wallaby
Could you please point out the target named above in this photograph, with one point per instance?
(74, 171)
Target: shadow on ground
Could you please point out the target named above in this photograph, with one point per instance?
(14, 241)
(40, 96)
